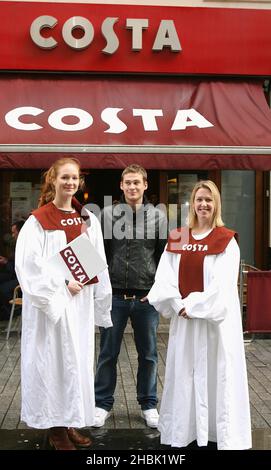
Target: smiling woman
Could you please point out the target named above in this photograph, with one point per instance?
(61, 182)
(205, 209)
(197, 288)
(58, 316)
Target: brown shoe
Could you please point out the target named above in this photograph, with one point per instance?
(59, 440)
(78, 439)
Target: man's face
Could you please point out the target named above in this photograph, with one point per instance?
(133, 187)
(14, 232)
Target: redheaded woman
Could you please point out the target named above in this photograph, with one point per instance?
(59, 316)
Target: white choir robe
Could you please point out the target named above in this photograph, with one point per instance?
(58, 331)
(205, 395)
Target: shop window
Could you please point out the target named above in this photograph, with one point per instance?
(238, 208)
(20, 190)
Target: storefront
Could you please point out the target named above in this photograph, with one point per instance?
(178, 90)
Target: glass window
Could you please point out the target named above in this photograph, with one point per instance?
(238, 208)
(19, 196)
(180, 185)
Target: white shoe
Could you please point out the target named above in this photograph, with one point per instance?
(151, 417)
(100, 417)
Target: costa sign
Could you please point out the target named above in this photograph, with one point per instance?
(74, 265)
(166, 35)
(184, 118)
(143, 39)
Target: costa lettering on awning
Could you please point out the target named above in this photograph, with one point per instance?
(163, 123)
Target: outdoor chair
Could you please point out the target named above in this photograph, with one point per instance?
(15, 302)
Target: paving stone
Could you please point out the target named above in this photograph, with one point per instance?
(126, 411)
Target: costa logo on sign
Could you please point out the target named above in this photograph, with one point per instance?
(74, 265)
(166, 35)
(184, 118)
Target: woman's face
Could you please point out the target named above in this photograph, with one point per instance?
(67, 180)
(204, 206)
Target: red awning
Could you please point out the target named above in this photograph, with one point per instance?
(160, 123)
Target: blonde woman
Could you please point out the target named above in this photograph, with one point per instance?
(205, 396)
(58, 316)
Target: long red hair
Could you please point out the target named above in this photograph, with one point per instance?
(48, 189)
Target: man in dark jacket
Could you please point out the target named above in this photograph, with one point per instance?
(135, 235)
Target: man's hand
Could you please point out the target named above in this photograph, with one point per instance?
(75, 287)
(144, 299)
(3, 260)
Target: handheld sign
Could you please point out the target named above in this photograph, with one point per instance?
(79, 260)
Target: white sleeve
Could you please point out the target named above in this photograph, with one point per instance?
(47, 292)
(103, 289)
(211, 304)
(164, 294)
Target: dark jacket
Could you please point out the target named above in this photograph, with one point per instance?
(133, 243)
(7, 272)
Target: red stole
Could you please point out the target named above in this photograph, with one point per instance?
(193, 253)
(52, 218)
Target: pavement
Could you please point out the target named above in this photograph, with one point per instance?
(126, 429)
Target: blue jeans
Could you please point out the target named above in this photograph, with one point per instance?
(144, 319)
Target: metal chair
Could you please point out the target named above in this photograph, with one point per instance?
(242, 282)
(16, 301)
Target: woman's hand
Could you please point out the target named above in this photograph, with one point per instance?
(75, 287)
(182, 313)
(144, 299)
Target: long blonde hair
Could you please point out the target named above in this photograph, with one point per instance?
(48, 188)
(211, 186)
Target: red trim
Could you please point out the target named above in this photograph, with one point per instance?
(156, 161)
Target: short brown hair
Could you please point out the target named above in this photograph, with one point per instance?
(134, 168)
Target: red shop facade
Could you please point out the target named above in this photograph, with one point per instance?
(182, 91)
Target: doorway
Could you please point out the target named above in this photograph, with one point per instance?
(101, 183)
